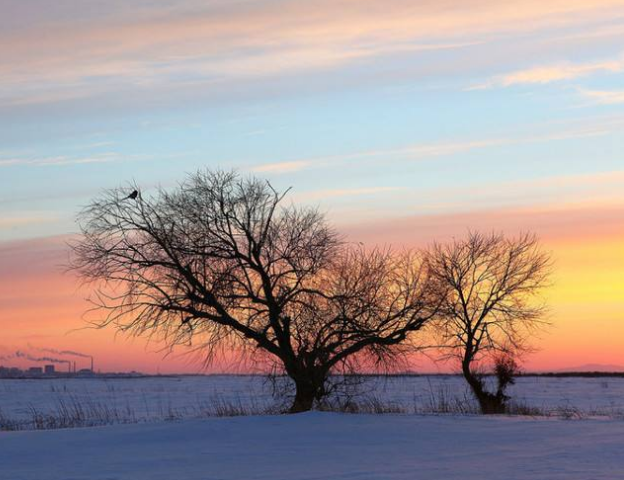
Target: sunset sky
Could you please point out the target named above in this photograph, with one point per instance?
(407, 122)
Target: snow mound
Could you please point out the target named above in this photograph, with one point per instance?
(322, 446)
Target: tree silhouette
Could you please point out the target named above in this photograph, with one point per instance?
(491, 307)
(220, 263)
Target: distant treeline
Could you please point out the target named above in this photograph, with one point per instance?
(574, 374)
(138, 376)
(527, 374)
(415, 374)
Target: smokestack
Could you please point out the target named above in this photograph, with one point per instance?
(92, 364)
(74, 367)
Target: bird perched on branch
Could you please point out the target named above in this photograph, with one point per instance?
(133, 195)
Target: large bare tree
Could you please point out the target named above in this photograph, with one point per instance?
(492, 306)
(221, 263)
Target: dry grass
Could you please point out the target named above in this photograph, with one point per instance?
(74, 412)
(365, 405)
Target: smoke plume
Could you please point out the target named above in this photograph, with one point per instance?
(20, 354)
(63, 352)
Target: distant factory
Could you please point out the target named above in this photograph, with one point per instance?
(53, 364)
(56, 366)
(47, 371)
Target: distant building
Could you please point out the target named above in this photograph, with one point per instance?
(10, 372)
(35, 370)
(49, 369)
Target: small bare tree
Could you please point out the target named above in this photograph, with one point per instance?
(491, 307)
(220, 264)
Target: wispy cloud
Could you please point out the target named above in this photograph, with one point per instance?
(542, 192)
(11, 222)
(61, 160)
(551, 73)
(409, 152)
(65, 160)
(122, 47)
(94, 145)
(283, 167)
(603, 97)
(563, 221)
(595, 190)
(346, 192)
(432, 150)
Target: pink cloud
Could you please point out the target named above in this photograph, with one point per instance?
(574, 223)
(147, 48)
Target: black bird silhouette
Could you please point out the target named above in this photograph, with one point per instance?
(133, 195)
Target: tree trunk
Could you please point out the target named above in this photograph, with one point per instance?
(489, 403)
(304, 398)
(310, 386)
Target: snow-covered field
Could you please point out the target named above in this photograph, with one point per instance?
(322, 446)
(156, 398)
(315, 445)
